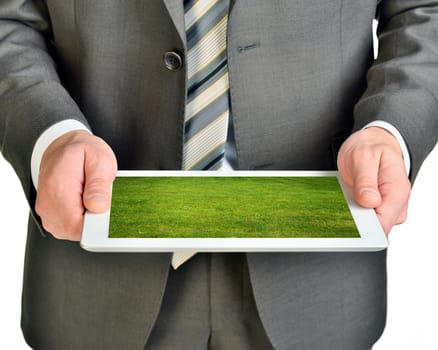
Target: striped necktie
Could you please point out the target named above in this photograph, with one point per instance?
(207, 109)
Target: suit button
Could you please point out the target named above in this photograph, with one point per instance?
(172, 60)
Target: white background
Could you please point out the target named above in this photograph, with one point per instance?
(412, 265)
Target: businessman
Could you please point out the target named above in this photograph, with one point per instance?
(89, 86)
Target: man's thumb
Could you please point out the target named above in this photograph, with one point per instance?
(97, 194)
(100, 169)
(366, 192)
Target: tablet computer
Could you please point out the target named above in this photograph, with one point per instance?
(239, 211)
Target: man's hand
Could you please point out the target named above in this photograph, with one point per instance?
(371, 162)
(76, 174)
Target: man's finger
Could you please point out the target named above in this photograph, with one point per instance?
(395, 191)
(60, 187)
(390, 215)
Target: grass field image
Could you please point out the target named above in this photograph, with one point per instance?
(242, 207)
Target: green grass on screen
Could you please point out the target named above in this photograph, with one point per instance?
(152, 207)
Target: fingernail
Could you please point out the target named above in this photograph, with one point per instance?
(369, 193)
(96, 197)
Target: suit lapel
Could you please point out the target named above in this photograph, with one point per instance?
(176, 12)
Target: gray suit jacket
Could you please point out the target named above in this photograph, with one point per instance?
(302, 77)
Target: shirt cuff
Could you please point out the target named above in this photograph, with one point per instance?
(391, 129)
(46, 138)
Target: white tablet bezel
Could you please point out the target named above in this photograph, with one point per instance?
(372, 237)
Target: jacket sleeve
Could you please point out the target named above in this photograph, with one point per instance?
(403, 81)
(31, 95)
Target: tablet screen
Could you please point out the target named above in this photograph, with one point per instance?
(241, 207)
